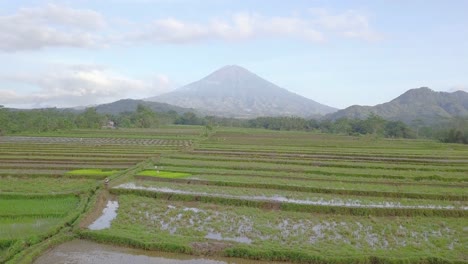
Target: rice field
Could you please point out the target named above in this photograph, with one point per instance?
(254, 230)
(49, 182)
(250, 193)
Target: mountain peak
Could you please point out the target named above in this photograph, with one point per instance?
(229, 72)
(420, 90)
(236, 92)
(415, 94)
(415, 104)
(232, 68)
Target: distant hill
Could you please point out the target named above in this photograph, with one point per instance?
(233, 91)
(416, 104)
(130, 105)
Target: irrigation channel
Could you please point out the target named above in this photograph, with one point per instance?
(177, 195)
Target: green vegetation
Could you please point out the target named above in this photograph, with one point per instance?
(53, 121)
(92, 172)
(300, 196)
(41, 185)
(24, 226)
(163, 174)
(37, 207)
(41, 200)
(154, 223)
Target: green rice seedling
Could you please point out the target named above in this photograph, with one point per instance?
(163, 174)
(58, 206)
(26, 226)
(38, 185)
(92, 172)
(283, 235)
(220, 179)
(313, 194)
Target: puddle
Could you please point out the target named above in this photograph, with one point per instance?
(192, 209)
(108, 214)
(277, 198)
(219, 236)
(87, 252)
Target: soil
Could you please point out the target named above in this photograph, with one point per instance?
(209, 248)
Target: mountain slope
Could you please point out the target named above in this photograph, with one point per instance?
(416, 104)
(235, 92)
(130, 105)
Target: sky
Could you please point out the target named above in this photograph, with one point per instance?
(339, 53)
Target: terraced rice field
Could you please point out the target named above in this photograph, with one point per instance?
(48, 183)
(276, 196)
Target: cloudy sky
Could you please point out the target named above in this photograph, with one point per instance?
(340, 53)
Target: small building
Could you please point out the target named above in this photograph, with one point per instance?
(109, 125)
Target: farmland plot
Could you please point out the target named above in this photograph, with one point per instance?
(249, 193)
(48, 183)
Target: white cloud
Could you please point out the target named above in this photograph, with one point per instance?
(49, 26)
(315, 26)
(60, 26)
(80, 85)
(240, 26)
(349, 23)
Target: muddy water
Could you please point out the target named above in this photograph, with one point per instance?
(108, 214)
(87, 252)
(219, 236)
(278, 198)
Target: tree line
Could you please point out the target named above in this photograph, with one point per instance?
(52, 119)
(45, 120)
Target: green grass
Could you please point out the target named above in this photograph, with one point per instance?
(23, 227)
(279, 182)
(92, 172)
(37, 207)
(164, 174)
(309, 169)
(241, 163)
(164, 132)
(153, 220)
(41, 185)
(293, 195)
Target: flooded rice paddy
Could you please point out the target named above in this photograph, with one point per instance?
(253, 226)
(311, 200)
(87, 252)
(108, 214)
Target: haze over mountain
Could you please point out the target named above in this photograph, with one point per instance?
(416, 104)
(233, 91)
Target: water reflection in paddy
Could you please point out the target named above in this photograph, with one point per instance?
(87, 252)
(108, 214)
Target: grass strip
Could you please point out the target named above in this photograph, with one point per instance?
(340, 210)
(162, 174)
(311, 189)
(321, 172)
(102, 237)
(303, 257)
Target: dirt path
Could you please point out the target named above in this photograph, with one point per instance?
(101, 203)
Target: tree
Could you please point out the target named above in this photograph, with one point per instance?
(343, 125)
(417, 124)
(189, 118)
(397, 129)
(455, 136)
(90, 118)
(375, 124)
(145, 117)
